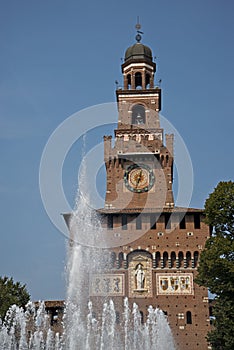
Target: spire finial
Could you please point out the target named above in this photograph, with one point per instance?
(138, 27)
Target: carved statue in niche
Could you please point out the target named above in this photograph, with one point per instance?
(140, 274)
(140, 277)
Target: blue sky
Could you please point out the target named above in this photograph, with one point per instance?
(58, 57)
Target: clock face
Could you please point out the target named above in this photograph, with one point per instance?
(139, 178)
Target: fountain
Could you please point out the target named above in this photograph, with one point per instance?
(84, 327)
(30, 329)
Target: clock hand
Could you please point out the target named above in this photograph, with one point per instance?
(139, 178)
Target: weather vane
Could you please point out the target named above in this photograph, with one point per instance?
(138, 27)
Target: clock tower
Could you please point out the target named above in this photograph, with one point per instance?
(154, 245)
(140, 164)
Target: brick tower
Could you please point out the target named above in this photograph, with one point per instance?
(139, 166)
(156, 245)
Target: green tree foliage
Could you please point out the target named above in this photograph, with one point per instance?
(11, 293)
(216, 267)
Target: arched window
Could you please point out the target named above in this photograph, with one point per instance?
(113, 258)
(129, 81)
(165, 259)
(188, 259)
(120, 259)
(189, 317)
(173, 259)
(138, 114)
(138, 80)
(158, 259)
(181, 259)
(147, 81)
(196, 256)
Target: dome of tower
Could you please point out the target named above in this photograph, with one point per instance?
(138, 51)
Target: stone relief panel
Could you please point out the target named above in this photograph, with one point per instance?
(140, 275)
(107, 285)
(177, 284)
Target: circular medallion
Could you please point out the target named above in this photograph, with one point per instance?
(139, 178)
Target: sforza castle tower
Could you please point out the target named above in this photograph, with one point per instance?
(156, 245)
